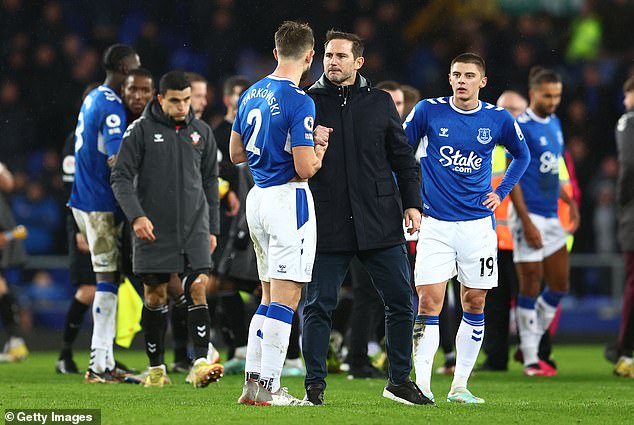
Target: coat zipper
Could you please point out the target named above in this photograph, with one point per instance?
(179, 183)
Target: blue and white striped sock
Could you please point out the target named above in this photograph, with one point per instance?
(546, 307)
(276, 332)
(468, 342)
(104, 312)
(426, 339)
(528, 329)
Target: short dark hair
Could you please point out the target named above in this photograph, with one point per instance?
(293, 39)
(195, 77)
(470, 58)
(141, 72)
(538, 75)
(629, 85)
(235, 81)
(388, 85)
(114, 55)
(357, 43)
(173, 80)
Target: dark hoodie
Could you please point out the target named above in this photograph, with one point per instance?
(169, 173)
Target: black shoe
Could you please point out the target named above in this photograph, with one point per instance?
(66, 366)
(407, 393)
(106, 377)
(315, 394)
(365, 372)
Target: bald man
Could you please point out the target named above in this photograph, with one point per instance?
(496, 339)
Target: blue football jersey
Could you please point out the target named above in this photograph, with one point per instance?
(100, 127)
(540, 183)
(456, 152)
(274, 115)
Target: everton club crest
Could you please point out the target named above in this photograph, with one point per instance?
(484, 135)
(195, 138)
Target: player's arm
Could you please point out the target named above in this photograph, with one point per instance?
(513, 140)
(307, 157)
(209, 172)
(112, 130)
(122, 181)
(308, 160)
(236, 148)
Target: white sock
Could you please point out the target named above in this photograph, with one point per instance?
(546, 307)
(276, 332)
(426, 339)
(253, 359)
(468, 342)
(528, 330)
(104, 313)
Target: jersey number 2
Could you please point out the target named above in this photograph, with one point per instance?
(255, 115)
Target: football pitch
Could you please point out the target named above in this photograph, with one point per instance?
(584, 392)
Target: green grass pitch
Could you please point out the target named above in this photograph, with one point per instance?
(584, 392)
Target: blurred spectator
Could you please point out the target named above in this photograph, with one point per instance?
(604, 194)
(40, 213)
(16, 126)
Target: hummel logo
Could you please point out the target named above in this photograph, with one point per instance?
(158, 138)
(201, 331)
(151, 347)
(543, 141)
(281, 268)
(444, 132)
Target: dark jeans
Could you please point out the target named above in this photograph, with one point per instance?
(389, 269)
(367, 312)
(626, 334)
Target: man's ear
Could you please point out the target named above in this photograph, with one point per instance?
(358, 63)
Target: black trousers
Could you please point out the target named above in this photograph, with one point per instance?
(389, 269)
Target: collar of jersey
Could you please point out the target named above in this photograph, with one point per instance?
(113, 92)
(462, 111)
(536, 118)
(273, 77)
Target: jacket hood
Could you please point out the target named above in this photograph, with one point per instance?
(323, 85)
(154, 111)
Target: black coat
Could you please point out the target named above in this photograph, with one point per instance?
(176, 173)
(358, 203)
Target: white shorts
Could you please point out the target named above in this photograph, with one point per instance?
(553, 238)
(102, 235)
(283, 229)
(465, 248)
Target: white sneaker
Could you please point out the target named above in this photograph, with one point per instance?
(281, 397)
(249, 391)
